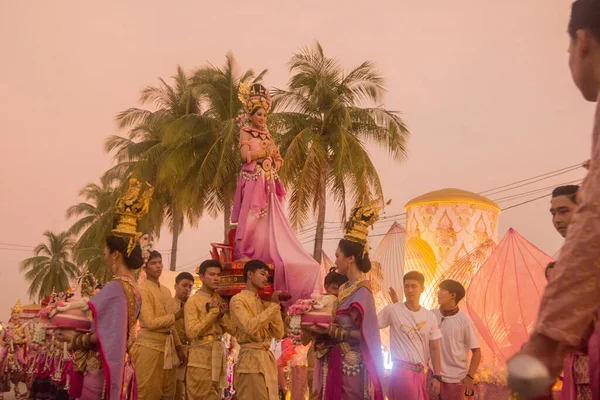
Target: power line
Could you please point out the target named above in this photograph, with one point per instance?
(13, 249)
(526, 202)
(16, 245)
(535, 179)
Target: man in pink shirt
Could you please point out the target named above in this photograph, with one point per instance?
(571, 300)
(459, 337)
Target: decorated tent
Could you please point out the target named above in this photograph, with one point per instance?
(461, 271)
(399, 253)
(504, 295)
(453, 222)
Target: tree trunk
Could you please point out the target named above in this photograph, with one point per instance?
(176, 231)
(322, 200)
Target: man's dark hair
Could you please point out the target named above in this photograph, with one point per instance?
(585, 15)
(414, 276)
(209, 264)
(154, 254)
(184, 275)
(253, 266)
(569, 190)
(455, 288)
(333, 277)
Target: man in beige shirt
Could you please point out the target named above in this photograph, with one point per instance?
(206, 319)
(256, 323)
(155, 352)
(184, 282)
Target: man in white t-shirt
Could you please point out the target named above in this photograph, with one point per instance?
(414, 340)
(458, 338)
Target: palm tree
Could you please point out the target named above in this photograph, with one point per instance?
(50, 269)
(95, 220)
(327, 116)
(203, 146)
(144, 151)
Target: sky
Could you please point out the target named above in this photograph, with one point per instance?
(484, 88)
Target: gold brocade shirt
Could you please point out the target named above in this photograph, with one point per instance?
(172, 307)
(256, 323)
(155, 321)
(203, 328)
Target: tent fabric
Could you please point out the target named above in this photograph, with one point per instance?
(504, 295)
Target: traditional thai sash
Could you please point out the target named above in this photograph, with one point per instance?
(171, 358)
(218, 360)
(418, 368)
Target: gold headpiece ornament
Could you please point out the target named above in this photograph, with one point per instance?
(254, 96)
(17, 308)
(133, 205)
(361, 219)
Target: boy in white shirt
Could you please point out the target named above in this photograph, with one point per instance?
(414, 340)
(458, 338)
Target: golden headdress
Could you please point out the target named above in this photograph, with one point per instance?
(17, 308)
(133, 205)
(361, 219)
(254, 96)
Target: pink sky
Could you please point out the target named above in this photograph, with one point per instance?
(485, 90)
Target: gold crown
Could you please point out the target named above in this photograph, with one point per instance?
(17, 308)
(253, 97)
(361, 219)
(133, 205)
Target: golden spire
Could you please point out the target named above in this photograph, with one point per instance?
(17, 308)
(133, 205)
(361, 218)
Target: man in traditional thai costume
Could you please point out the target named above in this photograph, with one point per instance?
(206, 321)
(256, 324)
(571, 300)
(459, 337)
(157, 351)
(576, 382)
(349, 359)
(184, 282)
(414, 341)
(13, 362)
(116, 307)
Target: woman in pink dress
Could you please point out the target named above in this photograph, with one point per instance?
(263, 230)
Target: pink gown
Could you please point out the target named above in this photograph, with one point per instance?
(263, 231)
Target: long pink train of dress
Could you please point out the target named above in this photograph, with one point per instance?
(263, 231)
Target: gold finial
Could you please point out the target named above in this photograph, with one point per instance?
(133, 205)
(254, 96)
(361, 218)
(17, 308)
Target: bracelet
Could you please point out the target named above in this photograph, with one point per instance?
(437, 378)
(471, 376)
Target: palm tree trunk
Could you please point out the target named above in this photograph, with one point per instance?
(318, 251)
(176, 231)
